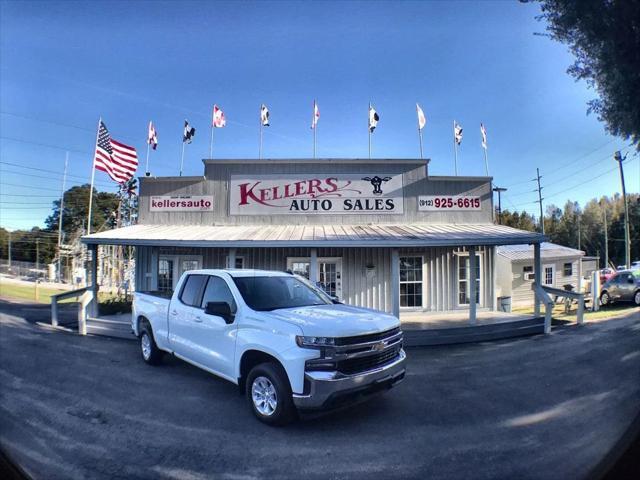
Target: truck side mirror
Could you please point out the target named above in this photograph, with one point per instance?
(220, 309)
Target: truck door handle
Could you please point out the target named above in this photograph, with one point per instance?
(174, 312)
(198, 319)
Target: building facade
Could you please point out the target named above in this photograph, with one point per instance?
(375, 233)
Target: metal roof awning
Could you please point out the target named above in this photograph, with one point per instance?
(548, 251)
(401, 235)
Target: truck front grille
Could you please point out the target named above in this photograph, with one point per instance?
(371, 337)
(356, 365)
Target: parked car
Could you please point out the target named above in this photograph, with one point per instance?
(606, 274)
(282, 340)
(635, 265)
(624, 286)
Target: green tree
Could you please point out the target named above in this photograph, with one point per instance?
(76, 209)
(604, 37)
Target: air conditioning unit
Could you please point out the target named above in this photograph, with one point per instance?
(529, 276)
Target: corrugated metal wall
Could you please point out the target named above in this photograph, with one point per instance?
(371, 290)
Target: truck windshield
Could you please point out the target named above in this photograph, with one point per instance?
(271, 293)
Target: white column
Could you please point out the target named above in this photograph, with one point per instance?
(152, 256)
(537, 270)
(231, 258)
(472, 285)
(395, 282)
(314, 276)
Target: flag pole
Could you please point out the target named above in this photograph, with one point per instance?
(315, 128)
(182, 158)
(369, 128)
(146, 171)
(211, 146)
(419, 133)
(93, 177)
(455, 149)
(486, 161)
(260, 150)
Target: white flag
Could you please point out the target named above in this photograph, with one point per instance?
(316, 115)
(457, 133)
(422, 120)
(483, 132)
(219, 120)
(373, 119)
(264, 115)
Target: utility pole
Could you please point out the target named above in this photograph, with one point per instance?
(579, 232)
(37, 256)
(61, 213)
(499, 190)
(627, 246)
(9, 250)
(538, 177)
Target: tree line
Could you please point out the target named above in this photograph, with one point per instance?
(584, 227)
(40, 244)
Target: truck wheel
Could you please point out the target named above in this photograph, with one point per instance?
(151, 354)
(605, 299)
(269, 394)
(636, 298)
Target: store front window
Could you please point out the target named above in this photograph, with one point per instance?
(464, 277)
(411, 281)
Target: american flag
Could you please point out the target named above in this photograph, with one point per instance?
(118, 160)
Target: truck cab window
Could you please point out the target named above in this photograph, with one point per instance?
(217, 290)
(192, 290)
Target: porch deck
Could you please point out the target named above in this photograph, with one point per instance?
(437, 320)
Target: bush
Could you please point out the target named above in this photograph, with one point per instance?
(113, 305)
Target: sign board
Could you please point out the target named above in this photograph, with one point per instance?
(184, 203)
(439, 203)
(336, 194)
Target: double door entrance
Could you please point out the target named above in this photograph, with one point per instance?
(329, 275)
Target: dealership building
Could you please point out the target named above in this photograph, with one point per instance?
(377, 233)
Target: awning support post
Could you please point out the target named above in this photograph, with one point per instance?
(472, 285)
(231, 258)
(313, 266)
(537, 270)
(395, 282)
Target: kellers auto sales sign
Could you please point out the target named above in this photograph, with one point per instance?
(373, 193)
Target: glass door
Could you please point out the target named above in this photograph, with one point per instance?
(165, 275)
(464, 276)
(330, 273)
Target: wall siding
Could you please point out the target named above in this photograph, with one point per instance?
(439, 271)
(521, 293)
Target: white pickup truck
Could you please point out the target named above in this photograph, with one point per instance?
(283, 341)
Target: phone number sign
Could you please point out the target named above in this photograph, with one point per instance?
(436, 203)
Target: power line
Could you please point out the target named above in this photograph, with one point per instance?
(49, 178)
(46, 170)
(45, 145)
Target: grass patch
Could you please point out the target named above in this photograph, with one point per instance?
(18, 291)
(604, 313)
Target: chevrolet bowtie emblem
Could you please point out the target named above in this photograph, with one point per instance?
(379, 346)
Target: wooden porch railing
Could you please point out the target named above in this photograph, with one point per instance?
(544, 293)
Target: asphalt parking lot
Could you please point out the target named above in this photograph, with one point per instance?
(538, 407)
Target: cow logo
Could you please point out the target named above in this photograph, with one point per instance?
(376, 183)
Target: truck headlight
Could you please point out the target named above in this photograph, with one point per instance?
(315, 342)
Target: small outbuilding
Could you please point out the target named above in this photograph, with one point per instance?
(561, 266)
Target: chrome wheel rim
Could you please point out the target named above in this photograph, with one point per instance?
(637, 298)
(604, 299)
(263, 394)
(145, 343)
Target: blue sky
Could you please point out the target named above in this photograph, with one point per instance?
(65, 64)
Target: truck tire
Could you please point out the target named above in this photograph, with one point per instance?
(151, 354)
(269, 394)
